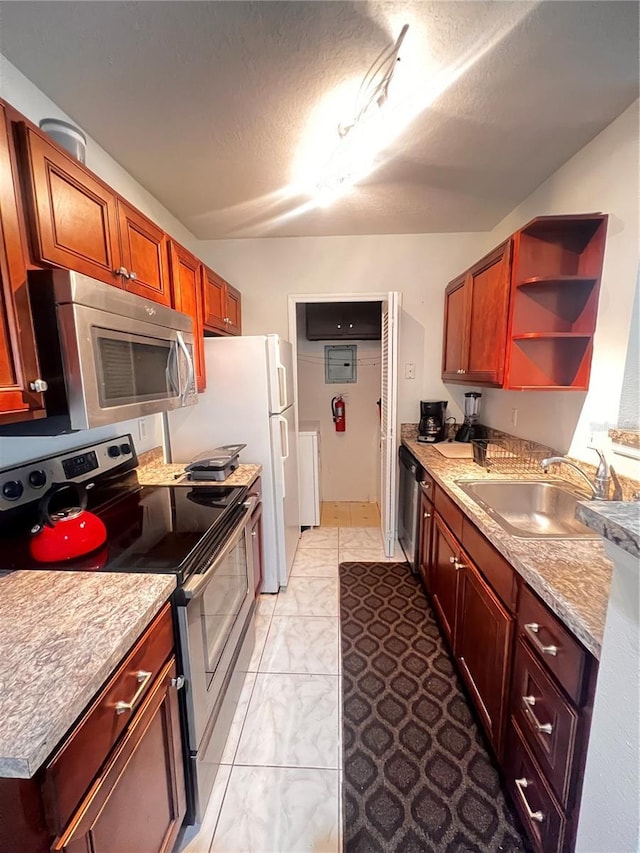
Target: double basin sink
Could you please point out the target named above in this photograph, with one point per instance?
(543, 509)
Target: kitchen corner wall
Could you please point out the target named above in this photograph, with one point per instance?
(35, 105)
(602, 176)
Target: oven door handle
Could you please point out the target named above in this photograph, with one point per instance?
(197, 583)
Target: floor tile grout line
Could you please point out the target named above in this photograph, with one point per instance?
(215, 828)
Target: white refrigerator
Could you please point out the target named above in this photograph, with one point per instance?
(249, 400)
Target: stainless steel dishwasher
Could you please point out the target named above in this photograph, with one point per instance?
(408, 500)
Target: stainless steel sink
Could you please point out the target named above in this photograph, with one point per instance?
(530, 509)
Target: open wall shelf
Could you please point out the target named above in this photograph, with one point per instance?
(554, 301)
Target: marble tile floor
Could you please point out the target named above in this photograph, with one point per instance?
(278, 789)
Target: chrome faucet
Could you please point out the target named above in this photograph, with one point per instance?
(602, 482)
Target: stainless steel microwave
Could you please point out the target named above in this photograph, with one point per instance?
(105, 355)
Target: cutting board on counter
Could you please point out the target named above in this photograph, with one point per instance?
(454, 449)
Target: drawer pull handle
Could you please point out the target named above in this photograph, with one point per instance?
(521, 784)
(456, 563)
(424, 485)
(532, 629)
(143, 678)
(529, 703)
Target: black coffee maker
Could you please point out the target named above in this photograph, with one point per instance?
(432, 426)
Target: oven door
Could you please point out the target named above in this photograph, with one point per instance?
(212, 624)
(117, 368)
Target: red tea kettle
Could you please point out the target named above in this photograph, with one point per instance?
(69, 532)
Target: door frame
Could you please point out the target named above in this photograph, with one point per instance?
(293, 300)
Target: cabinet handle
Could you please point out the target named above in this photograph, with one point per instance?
(142, 677)
(427, 515)
(521, 784)
(178, 682)
(456, 563)
(132, 276)
(123, 271)
(424, 485)
(532, 629)
(529, 703)
(254, 533)
(39, 385)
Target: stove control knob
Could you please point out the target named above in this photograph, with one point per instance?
(37, 479)
(12, 490)
(125, 448)
(113, 451)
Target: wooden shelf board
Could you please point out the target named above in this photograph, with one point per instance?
(561, 280)
(534, 336)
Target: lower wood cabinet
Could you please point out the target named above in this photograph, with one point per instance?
(116, 783)
(137, 803)
(443, 577)
(482, 647)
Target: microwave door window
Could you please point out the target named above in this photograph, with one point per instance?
(133, 369)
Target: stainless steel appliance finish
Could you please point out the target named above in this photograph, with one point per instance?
(216, 620)
(408, 505)
(106, 355)
(530, 509)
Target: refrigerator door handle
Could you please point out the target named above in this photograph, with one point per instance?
(282, 385)
(284, 436)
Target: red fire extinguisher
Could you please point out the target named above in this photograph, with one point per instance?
(338, 408)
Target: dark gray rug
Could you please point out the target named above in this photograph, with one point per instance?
(417, 775)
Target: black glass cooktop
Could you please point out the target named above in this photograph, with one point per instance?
(171, 529)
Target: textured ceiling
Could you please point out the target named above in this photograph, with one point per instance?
(211, 105)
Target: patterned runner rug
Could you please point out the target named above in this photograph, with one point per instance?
(417, 775)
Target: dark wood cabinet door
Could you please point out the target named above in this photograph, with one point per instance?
(138, 800)
(234, 310)
(18, 355)
(256, 542)
(483, 649)
(74, 215)
(426, 539)
(454, 344)
(144, 255)
(215, 301)
(488, 284)
(186, 283)
(443, 577)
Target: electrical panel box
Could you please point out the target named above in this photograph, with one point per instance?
(340, 363)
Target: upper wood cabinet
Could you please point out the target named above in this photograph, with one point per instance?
(476, 314)
(524, 317)
(74, 221)
(186, 273)
(222, 304)
(144, 255)
(18, 355)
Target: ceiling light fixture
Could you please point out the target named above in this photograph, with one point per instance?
(363, 135)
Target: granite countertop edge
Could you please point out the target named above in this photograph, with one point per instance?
(49, 734)
(587, 624)
(616, 521)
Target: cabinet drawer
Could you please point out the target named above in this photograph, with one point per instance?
(546, 720)
(493, 566)
(449, 512)
(72, 769)
(536, 805)
(552, 643)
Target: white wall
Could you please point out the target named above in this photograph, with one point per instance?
(349, 460)
(603, 176)
(417, 265)
(17, 90)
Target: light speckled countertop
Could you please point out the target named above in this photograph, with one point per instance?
(617, 521)
(61, 636)
(571, 576)
(153, 471)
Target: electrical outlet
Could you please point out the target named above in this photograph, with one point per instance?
(409, 371)
(514, 417)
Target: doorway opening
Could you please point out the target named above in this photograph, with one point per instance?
(345, 359)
